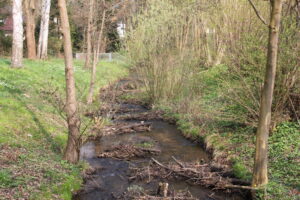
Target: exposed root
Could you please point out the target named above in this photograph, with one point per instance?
(128, 151)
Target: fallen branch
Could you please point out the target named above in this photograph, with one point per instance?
(241, 187)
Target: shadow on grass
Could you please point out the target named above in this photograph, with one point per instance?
(54, 146)
(6, 61)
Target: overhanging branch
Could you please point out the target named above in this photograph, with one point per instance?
(257, 13)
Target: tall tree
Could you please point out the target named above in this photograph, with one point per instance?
(72, 149)
(260, 172)
(17, 48)
(30, 12)
(44, 30)
(89, 34)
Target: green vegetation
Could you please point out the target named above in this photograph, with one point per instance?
(206, 70)
(32, 129)
(145, 144)
(235, 143)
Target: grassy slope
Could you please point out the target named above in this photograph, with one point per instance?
(32, 134)
(235, 143)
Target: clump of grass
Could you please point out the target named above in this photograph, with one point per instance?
(145, 145)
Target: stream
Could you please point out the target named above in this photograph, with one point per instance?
(112, 177)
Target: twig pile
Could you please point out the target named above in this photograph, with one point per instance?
(144, 116)
(185, 195)
(124, 128)
(128, 151)
(193, 173)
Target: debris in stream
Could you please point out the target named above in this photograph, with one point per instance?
(123, 128)
(118, 88)
(193, 173)
(91, 172)
(122, 175)
(128, 151)
(144, 116)
(170, 195)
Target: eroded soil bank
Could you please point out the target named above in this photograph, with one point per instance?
(140, 156)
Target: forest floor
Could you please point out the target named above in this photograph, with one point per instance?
(33, 131)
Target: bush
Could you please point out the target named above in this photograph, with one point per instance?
(180, 66)
(5, 44)
(54, 46)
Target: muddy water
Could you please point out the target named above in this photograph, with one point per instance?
(112, 178)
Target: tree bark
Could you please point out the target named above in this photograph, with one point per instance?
(260, 172)
(44, 30)
(17, 44)
(95, 61)
(30, 28)
(89, 35)
(72, 149)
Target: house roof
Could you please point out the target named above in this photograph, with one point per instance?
(5, 12)
(8, 24)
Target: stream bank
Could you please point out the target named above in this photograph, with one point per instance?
(140, 155)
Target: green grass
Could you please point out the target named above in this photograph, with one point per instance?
(33, 134)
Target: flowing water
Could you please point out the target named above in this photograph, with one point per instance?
(112, 178)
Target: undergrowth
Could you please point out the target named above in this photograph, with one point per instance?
(235, 142)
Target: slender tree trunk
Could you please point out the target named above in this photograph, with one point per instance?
(30, 28)
(260, 172)
(93, 76)
(72, 149)
(89, 35)
(17, 46)
(95, 61)
(44, 30)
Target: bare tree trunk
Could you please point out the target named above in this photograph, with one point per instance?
(72, 149)
(89, 35)
(17, 46)
(95, 62)
(93, 75)
(30, 28)
(260, 172)
(44, 30)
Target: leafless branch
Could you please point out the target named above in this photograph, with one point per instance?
(257, 13)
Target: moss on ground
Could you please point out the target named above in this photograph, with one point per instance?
(32, 131)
